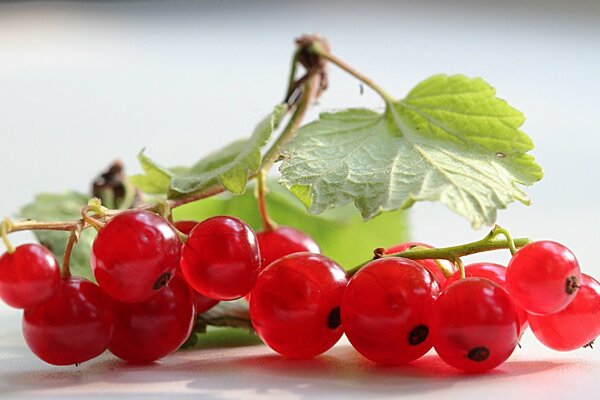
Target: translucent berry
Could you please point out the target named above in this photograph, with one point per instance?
(29, 276)
(495, 273)
(386, 310)
(542, 277)
(574, 326)
(135, 255)
(295, 305)
(72, 326)
(220, 259)
(146, 332)
(474, 325)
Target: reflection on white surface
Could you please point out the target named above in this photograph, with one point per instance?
(83, 84)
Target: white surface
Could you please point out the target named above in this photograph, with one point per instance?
(81, 85)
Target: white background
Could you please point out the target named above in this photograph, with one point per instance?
(81, 85)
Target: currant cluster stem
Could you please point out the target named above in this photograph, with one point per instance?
(454, 253)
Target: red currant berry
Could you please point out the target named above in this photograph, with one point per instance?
(282, 241)
(220, 259)
(495, 273)
(201, 303)
(474, 325)
(542, 277)
(295, 305)
(429, 264)
(574, 326)
(29, 276)
(135, 255)
(73, 326)
(146, 332)
(386, 310)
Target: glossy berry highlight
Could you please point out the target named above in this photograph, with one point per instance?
(474, 325)
(75, 325)
(28, 276)
(220, 259)
(574, 326)
(542, 277)
(295, 305)
(386, 310)
(135, 255)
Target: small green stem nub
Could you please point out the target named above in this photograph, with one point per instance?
(5, 228)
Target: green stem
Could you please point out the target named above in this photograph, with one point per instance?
(292, 126)
(320, 50)
(5, 228)
(454, 253)
(261, 186)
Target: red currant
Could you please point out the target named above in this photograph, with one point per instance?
(542, 277)
(574, 326)
(201, 302)
(429, 264)
(73, 326)
(220, 259)
(29, 276)
(146, 332)
(135, 255)
(282, 241)
(386, 310)
(495, 273)
(295, 305)
(474, 325)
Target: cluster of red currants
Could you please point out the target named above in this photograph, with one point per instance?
(149, 289)
(393, 310)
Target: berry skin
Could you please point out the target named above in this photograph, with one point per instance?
(429, 264)
(295, 305)
(220, 259)
(495, 273)
(74, 325)
(29, 276)
(201, 303)
(146, 332)
(474, 325)
(282, 241)
(135, 255)
(574, 326)
(542, 277)
(386, 310)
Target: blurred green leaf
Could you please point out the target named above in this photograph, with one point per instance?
(63, 207)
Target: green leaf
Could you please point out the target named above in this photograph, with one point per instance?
(63, 207)
(341, 233)
(449, 140)
(155, 179)
(231, 166)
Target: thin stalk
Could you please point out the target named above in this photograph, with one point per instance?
(322, 52)
(292, 126)
(261, 186)
(454, 253)
(4, 230)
